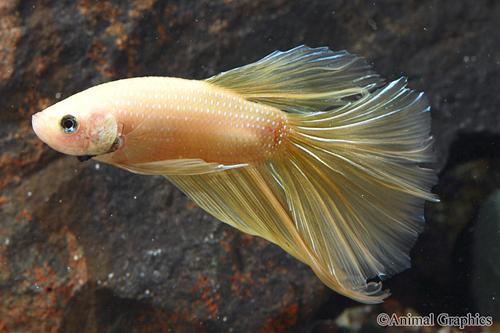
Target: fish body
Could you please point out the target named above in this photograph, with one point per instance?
(176, 119)
(298, 148)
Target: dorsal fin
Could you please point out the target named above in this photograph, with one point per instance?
(301, 79)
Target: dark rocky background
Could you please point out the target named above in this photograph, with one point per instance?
(88, 247)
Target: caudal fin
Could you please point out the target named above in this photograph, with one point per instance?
(354, 188)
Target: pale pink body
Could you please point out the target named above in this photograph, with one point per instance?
(170, 118)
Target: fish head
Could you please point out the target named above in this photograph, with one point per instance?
(78, 126)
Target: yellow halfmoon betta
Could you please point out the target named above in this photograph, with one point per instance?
(305, 148)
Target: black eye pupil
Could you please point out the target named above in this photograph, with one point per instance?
(69, 124)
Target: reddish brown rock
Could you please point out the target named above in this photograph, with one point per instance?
(92, 247)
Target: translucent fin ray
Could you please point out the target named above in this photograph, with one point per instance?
(302, 79)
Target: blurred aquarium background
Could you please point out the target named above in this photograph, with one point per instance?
(89, 247)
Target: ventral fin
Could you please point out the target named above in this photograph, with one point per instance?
(301, 79)
(178, 167)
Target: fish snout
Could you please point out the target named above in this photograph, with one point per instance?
(46, 129)
(37, 124)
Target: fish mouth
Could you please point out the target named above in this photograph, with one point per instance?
(41, 126)
(38, 126)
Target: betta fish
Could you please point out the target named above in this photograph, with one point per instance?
(307, 148)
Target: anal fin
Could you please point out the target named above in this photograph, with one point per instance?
(243, 199)
(253, 200)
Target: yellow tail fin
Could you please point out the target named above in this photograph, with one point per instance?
(354, 189)
(347, 196)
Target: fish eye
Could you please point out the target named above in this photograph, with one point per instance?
(68, 124)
